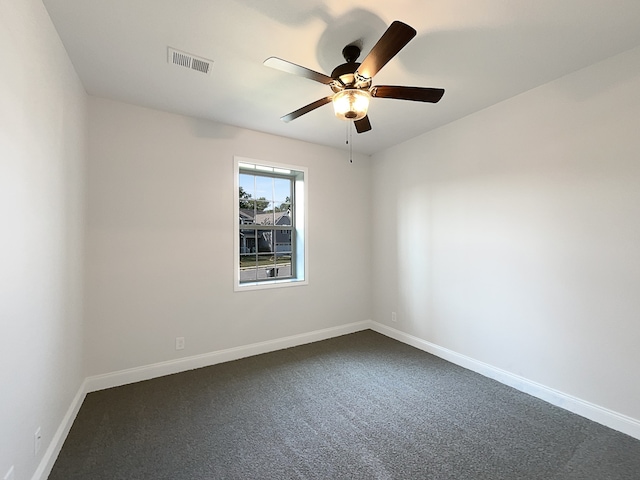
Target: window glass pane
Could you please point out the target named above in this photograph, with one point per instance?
(261, 205)
(283, 217)
(283, 253)
(263, 241)
(282, 190)
(248, 254)
(247, 211)
(270, 207)
(266, 266)
(248, 260)
(248, 274)
(265, 218)
(248, 243)
(285, 209)
(283, 243)
(264, 188)
(283, 271)
(246, 183)
(271, 271)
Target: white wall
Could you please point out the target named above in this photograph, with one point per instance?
(42, 153)
(160, 229)
(512, 236)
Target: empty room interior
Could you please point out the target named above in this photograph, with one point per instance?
(478, 218)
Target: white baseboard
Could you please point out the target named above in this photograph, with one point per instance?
(51, 454)
(147, 372)
(588, 410)
(601, 415)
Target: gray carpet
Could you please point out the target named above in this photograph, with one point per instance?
(360, 406)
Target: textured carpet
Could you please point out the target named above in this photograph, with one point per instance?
(360, 406)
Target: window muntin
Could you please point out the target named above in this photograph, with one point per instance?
(270, 206)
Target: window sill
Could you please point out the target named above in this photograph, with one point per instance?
(250, 286)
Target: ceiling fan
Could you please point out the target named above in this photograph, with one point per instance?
(351, 81)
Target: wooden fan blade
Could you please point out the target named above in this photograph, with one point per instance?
(289, 67)
(362, 125)
(307, 109)
(392, 41)
(418, 94)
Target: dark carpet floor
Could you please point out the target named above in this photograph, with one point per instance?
(360, 406)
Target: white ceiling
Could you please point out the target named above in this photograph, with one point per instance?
(480, 51)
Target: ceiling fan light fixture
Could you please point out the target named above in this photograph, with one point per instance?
(351, 82)
(351, 104)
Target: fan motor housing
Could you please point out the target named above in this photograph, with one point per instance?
(344, 73)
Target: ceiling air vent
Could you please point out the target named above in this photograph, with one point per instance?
(183, 59)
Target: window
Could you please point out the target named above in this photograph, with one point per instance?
(270, 225)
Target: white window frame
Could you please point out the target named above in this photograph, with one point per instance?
(301, 251)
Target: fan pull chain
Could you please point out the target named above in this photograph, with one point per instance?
(346, 134)
(349, 139)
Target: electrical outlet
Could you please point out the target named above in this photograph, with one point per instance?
(37, 441)
(179, 343)
(394, 317)
(10, 475)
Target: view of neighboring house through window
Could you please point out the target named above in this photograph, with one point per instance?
(270, 243)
